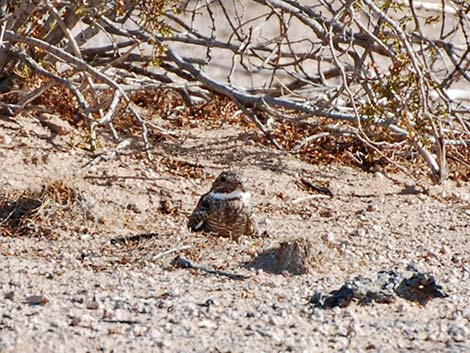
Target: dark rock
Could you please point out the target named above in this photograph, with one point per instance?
(342, 298)
(420, 287)
(383, 289)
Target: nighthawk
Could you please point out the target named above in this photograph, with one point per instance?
(225, 210)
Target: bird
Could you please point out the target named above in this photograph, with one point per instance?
(226, 209)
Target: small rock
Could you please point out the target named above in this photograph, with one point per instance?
(376, 228)
(266, 221)
(58, 324)
(420, 287)
(75, 321)
(49, 275)
(458, 332)
(93, 305)
(85, 236)
(208, 303)
(133, 207)
(410, 189)
(361, 232)
(36, 300)
(55, 124)
(326, 213)
(293, 257)
(328, 237)
(208, 324)
(7, 140)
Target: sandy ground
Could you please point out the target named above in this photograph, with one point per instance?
(104, 280)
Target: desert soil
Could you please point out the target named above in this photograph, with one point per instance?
(102, 279)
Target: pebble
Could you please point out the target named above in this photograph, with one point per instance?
(360, 232)
(328, 237)
(7, 140)
(458, 332)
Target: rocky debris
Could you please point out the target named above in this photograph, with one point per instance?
(420, 288)
(293, 257)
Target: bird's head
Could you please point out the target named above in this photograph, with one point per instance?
(228, 182)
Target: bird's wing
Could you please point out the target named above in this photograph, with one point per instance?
(199, 216)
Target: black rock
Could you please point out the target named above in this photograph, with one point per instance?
(420, 287)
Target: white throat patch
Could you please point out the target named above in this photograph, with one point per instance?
(236, 194)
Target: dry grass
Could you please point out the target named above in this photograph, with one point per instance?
(45, 213)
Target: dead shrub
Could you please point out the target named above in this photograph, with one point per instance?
(44, 213)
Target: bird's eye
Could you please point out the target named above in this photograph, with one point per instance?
(222, 179)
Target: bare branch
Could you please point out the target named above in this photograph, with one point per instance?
(389, 74)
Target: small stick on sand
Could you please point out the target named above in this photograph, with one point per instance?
(181, 248)
(309, 197)
(182, 262)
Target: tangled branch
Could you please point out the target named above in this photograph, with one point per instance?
(392, 71)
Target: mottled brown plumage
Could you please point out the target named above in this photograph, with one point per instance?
(225, 210)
